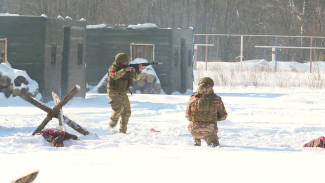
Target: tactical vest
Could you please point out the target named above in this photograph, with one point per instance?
(121, 85)
(204, 109)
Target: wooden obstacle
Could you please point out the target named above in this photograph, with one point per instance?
(56, 112)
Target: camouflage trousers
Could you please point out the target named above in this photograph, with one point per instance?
(207, 131)
(120, 105)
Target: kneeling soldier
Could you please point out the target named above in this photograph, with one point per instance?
(203, 111)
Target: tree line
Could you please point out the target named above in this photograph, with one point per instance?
(257, 17)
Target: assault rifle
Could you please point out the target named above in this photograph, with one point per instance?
(136, 66)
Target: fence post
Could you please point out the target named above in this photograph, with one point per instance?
(276, 52)
(273, 57)
(241, 47)
(311, 54)
(217, 48)
(195, 57)
(206, 52)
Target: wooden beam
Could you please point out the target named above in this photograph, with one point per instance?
(60, 115)
(66, 120)
(54, 112)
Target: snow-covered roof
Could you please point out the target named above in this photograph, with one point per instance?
(68, 18)
(143, 26)
(98, 26)
(8, 14)
(60, 17)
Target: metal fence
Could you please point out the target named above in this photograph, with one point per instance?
(236, 47)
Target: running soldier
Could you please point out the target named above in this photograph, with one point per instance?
(203, 111)
(120, 78)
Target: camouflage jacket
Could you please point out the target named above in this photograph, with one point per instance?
(205, 108)
(119, 80)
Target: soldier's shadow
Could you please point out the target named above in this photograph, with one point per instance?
(278, 149)
(254, 95)
(156, 106)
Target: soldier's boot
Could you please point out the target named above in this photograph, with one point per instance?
(123, 124)
(114, 119)
(197, 142)
(111, 126)
(212, 141)
(122, 130)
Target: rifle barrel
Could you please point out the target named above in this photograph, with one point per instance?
(150, 63)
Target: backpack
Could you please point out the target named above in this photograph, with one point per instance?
(204, 109)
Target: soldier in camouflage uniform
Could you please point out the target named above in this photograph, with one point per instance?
(203, 111)
(120, 78)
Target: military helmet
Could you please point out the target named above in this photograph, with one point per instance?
(120, 58)
(206, 80)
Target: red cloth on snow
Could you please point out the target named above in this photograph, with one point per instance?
(56, 137)
(319, 142)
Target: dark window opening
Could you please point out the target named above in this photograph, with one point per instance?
(53, 54)
(175, 57)
(80, 46)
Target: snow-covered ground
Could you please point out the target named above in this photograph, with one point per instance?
(261, 141)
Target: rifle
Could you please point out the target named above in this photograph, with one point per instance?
(136, 66)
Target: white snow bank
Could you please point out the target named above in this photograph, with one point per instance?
(262, 137)
(283, 66)
(95, 89)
